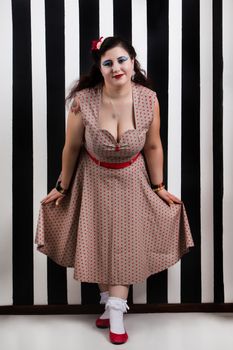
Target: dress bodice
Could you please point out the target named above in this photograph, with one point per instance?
(100, 142)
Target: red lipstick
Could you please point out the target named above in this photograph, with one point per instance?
(118, 76)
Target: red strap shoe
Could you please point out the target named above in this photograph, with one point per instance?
(102, 323)
(118, 338)
(118, 304)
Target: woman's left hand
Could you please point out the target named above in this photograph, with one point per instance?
(168, 197)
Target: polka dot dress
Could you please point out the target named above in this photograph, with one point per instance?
(111, 227)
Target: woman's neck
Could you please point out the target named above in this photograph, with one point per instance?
(117, 92)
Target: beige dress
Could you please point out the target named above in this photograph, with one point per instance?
(112, 228)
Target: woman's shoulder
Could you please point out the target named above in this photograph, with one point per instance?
(147, 99)
(89, 91)
(84, 98)
(147, 95)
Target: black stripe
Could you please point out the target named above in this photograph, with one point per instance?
(190, 174)
(97, 309)
(122, 15)
(218, 151)
(22, 156)
(54, 20)
(89, 30)
(157, 69)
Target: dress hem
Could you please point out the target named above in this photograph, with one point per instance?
(173, 262)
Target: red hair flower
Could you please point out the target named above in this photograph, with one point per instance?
(96, 44)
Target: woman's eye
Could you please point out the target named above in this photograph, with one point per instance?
(106, 64)
(123, 59)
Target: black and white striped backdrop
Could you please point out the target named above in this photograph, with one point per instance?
(186, 48)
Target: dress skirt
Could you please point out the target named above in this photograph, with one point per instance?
(112, 227)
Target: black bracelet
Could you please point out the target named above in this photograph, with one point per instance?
(60, 189)
(155, 187)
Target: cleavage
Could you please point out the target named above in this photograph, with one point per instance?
(116, 126)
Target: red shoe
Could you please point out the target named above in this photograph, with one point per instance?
(102, 323)
(118, 338)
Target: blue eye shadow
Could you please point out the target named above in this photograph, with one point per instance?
(122, 58)
(106, 62)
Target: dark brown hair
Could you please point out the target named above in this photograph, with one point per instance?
(94, 77)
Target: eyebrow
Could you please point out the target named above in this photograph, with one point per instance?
(111, 60)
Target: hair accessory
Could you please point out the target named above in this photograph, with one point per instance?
(97, 43)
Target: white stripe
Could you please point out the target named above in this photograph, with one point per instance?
(174, 126)
(139, 30)
(6, 154)
(227, 148)
(105, 18)
(139, 42)
(72, 63)
(206, 149)
(72, 43)
(39, 138)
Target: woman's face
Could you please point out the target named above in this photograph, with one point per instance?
(116, 61)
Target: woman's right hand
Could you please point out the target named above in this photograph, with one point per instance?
(53, 195)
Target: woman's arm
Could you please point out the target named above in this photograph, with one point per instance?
(73, 142)
(153, 151)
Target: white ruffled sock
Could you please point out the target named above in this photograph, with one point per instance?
(117, 307)
(104, 298)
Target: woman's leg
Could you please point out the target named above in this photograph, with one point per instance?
(104, 294)
(119, 291)
(103, 287)
(117, 304)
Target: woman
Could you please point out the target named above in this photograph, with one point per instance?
(114, 221)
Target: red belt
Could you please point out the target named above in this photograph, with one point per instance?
(114, 165)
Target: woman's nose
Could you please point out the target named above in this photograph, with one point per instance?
(116, 67)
